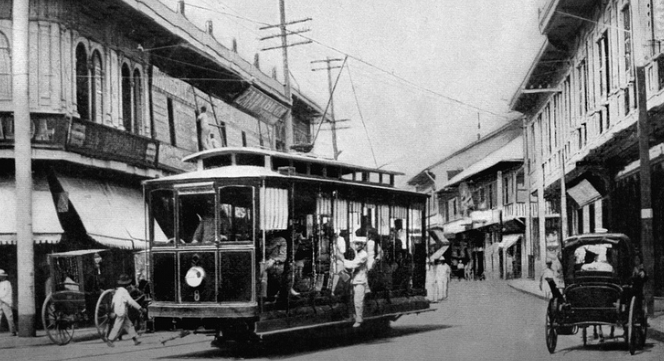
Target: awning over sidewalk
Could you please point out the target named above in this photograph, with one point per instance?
(46, 227)
(437, 234)
(112, 215)
(509, 240)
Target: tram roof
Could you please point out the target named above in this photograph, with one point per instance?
(262, 171)
(220, 152)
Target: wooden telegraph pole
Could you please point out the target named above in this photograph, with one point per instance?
(23, 160)
(643, 131)
(288, 117)
(333, 121)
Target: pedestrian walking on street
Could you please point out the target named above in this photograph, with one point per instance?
(546, 275)
(121, 300)
(443, 276)
(460, 270)
(6, 301)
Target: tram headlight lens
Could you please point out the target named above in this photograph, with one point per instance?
(195, 276)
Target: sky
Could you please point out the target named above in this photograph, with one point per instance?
(421, 80)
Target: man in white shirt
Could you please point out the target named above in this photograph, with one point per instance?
(6, 301)
(122, 299)
(359, 268)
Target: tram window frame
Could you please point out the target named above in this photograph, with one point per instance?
(235, 211)
(198, 206)
(169, 232)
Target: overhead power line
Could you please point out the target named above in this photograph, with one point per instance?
(367, 63)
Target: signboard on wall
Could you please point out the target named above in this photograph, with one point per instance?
(259, 103)
(99, 140)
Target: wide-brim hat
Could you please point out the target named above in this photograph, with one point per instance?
(3, 273)
(359, 239)
(124, 280)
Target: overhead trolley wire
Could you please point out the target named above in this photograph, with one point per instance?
(361, 117)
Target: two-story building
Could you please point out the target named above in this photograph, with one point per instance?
(587, 143)
(451, 194)
(116, 87)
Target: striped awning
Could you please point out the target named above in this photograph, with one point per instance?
(46, 226)
(112, 215)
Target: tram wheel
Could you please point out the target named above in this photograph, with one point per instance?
(58, 326)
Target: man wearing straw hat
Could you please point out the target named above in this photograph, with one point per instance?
(122, 299)
(358, 265)
(6, 301)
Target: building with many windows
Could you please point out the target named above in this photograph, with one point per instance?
(601, 64)
(117, 89)
(478, 203)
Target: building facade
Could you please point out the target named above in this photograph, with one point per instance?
(116, 95)
(478, 203)
(592, 103)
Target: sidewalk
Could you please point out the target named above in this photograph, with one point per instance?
(9, 341)
(532, 287)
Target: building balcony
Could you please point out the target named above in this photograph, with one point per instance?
(484, 218)
(85, 138)
(518, 210)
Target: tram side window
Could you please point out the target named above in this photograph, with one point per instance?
(162, 206)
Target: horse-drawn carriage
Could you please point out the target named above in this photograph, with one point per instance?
(81, 292)
(603, 286)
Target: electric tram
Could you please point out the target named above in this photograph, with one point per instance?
(211, 233)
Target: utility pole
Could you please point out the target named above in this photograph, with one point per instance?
(333, 121)
(641, 39)
(288, 117)
(23, 160)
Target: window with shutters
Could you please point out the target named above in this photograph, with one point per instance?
(97, 88)
(138, 102)
(5, 68)
(82, 83)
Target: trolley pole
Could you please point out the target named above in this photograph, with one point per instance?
(333, 121)
(23, 162)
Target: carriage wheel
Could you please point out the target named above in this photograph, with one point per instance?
(103, 313)
(550, 329)
(637, 327)
(58, 326)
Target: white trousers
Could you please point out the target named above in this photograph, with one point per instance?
(359, 290)
(7, 311)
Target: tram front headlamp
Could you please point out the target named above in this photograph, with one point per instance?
(195, 276)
